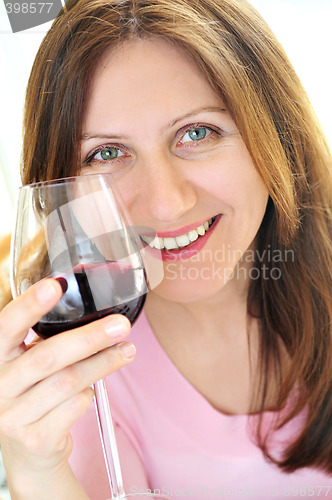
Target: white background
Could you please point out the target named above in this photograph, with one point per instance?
(303, 27)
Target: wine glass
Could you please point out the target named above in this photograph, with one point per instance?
(76, 230)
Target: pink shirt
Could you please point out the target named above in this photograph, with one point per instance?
(188, 448)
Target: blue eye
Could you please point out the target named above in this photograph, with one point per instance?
(196, 134)
(107, 153)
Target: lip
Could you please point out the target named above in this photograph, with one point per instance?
(188, 251)
(177, 232)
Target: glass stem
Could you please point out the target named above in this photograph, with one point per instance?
(107, 436)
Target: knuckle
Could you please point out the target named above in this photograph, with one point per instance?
(7, 424)
(40, 442)
(67, 379)
(91, 339)
(5, 379)
(64, 443)
(6, 333)
(34, 442)
(4, 323)
(19, 308)
(42, 358)
(81, 401)
(114, 359)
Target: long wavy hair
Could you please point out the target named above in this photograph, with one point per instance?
(247, 67)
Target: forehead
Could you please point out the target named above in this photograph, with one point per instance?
(152, 50)
(141, 78)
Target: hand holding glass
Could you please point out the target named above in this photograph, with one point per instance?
(76, 230)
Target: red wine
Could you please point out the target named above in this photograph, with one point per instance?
(92, 291)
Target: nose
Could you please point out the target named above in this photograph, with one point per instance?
(165, 191)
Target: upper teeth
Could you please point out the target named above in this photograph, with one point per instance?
(178, 241)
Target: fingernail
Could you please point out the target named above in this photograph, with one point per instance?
(128, 350)
(63, 283)
(116, 328)
(47, 292)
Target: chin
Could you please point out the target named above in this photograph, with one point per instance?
(186, 284)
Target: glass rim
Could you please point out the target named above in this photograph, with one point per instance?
(63, 180)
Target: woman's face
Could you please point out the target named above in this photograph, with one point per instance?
(178, 160)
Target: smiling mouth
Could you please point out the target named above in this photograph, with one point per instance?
(180, 241)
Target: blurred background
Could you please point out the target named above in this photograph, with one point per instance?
(302, 26)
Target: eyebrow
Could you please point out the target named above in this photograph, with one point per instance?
(214, 109)
(97, 135)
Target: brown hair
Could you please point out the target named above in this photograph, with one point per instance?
(5, 293)
(246, 65)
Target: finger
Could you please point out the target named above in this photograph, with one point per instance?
(46, 396)
(24, 312)
(62, 350)
(50, 435)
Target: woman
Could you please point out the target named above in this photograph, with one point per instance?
(196, 110)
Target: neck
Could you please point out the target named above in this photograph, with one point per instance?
(207, 340)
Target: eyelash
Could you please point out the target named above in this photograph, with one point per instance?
(181, 133)
(91, 156)
(196, 126)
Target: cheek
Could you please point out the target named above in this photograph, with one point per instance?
(245, 200)
(128, 188)
(235, 186)
(227, 169)
(239, 193)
